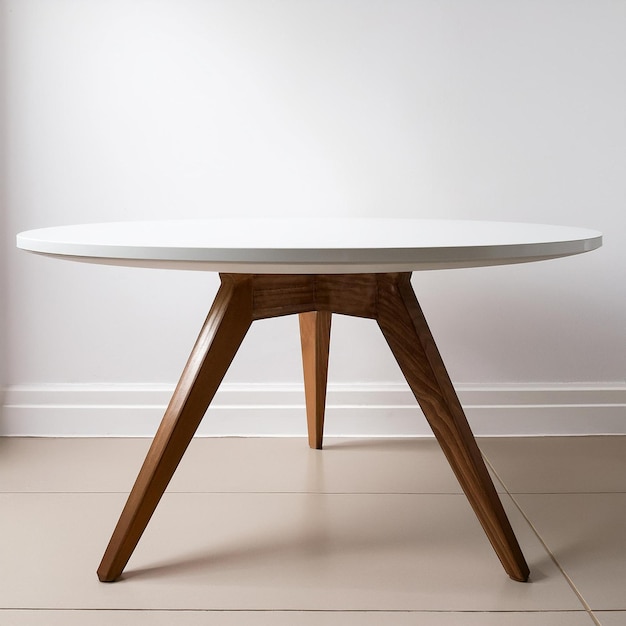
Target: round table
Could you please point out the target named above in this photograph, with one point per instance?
(312, 267)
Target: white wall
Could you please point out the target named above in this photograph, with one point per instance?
(5, 239)
(130, 109)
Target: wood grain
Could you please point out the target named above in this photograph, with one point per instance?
(347, 294)
(315, 341)
(388, 298)
(274, 295)
(406, 331)
(220, 337)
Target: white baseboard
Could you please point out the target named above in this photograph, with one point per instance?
(353, 410)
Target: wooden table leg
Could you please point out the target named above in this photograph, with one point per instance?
(406, 331)
(389, 299)
(220, 337)
(315, 339)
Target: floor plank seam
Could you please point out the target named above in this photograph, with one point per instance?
(545, 546)
(324, 611)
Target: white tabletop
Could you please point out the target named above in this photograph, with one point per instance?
(309, 246)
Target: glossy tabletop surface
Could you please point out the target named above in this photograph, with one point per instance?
(309, 245)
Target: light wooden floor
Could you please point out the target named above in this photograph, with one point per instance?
(269, 532)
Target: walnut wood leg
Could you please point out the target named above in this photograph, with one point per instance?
(390, 300)
(220, 337)
(315, 339)
(406, 331)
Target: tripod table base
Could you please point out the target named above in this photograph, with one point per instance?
(243, 298)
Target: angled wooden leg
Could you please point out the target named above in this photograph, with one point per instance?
(406, 331)
(390, 300)
(220, 337)
(315, 339)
